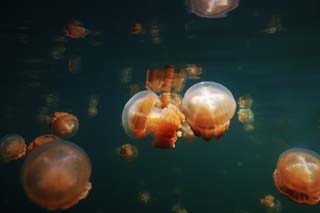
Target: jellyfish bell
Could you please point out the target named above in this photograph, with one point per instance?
(128, 152)
(212, 8)
(56, 175)
(297, 176)
(64, 125)
(208, 108)
(136, 111)
(74, 29)
(12, 147)
(43, 139)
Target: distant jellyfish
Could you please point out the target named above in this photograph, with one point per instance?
(137, 29)
(193, 71)
(74, 63)
(64, 125)
(128, 152)
(208, 108)
(179, 208)
(245, 116)
(245, 102)
(56, 175)
(297, 176)
(74, 29)
(144, 197)
(270, 204)
(12, 147)
(43, 139)
(212, 8)
(186, 133)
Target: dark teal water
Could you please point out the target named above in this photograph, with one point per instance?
(280, 71)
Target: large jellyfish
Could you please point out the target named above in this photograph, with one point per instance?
(208, 108)
(56, 175)
(298, 175)
(143, 115)
(212, 8)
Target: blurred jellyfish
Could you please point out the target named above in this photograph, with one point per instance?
(52, 100)
(245, 116)
(212, 8)
(274, 25)
(74, 63)
(128, 152)
(297, 176)
(58, 50)
(144, 197)
(137, 29)
(74, 29)
(12, 147)
(270, 204)
(64, 125)
(155, 33)
(178, 208)
(93, 105)
(193, 71)
(126, 75)
(245, 102)
(248, 127)
(187, 133)
(208, 108)
(56, 175)
(43, 139)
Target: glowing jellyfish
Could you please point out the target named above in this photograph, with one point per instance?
(64, 125)
(56, 175)
(297, 176)
(43, 139)
(245, 116)
(142, 116)
(193, 71)
(12, 147)
(245, 102)
(208, 107)
(178, 208)
(74, 29)
(128, 152)
(144, 197)
(212, 8)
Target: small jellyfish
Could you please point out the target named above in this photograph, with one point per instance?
(297, 176)
(144, 197)
(12, 147)
(64, 125)
(245, 116)
(245, 102)
(74, 63)
(208, 108)
(128, 152)
(187, 133)
(137, 29)
(212, 8)
(178, 208)
(56, 175)
(43, 139)
(74, 29)
(193, 71)
(93, 106)
(126, 75)
(134, 88)
(270, 204)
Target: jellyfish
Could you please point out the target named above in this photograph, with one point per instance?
(178, 208)
(144, 197)
(43, 139)
(297, 176)
(12, 147)
(56, 175)
(143, 115)
(187, 133)
(128, 152)
(64, 125)
(74, 29)
(245, 102)
(74, 63)
(270, 204)
(208, 108)
(93, 105)
(245, 116)
(193, 71)
(137, 29)
(170, 98)
(212, 8)
(165, 79)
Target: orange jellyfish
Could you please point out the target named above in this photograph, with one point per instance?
(43, 139)
(271, 205)
(64, 125)
(128, 152)
(193, 71)
(297, 176)
(208, 107)
(12, 147)
(137, 29)
(212, 8)
(56, 175)
(144, 197)
(170, 98)
(74, 29)
(142, 116)
(245, 115)
(245, 102)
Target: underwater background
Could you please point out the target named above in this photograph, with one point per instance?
(280, 71)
